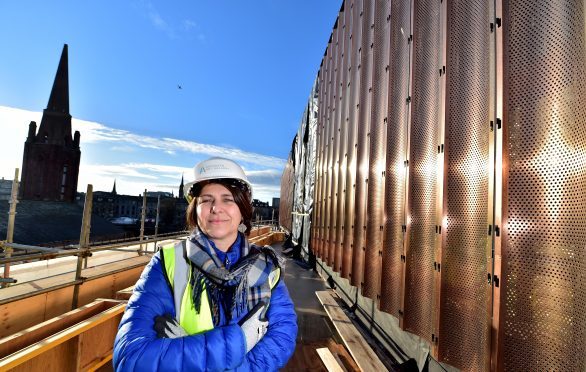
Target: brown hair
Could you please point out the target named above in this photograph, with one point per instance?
(241, 198)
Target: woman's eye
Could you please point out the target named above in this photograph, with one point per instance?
(202, 201)
(228, 200)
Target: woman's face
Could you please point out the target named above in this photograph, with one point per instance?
(218, 215)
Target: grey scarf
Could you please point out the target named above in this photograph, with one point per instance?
(237, 289)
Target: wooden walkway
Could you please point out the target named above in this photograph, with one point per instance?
(315, 331)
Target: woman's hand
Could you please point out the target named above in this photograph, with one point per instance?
(254, 326)
(167, 327)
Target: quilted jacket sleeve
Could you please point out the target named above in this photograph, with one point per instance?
(276, 347)
(137, 347)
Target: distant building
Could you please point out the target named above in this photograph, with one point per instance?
(50, 162)
(5, 189)
(262, 211)
(276, 202)
(126, 210)
(50, 167)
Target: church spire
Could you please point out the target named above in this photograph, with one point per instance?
(55, 126)
(181, 194)
(59, 99)
(114, 188)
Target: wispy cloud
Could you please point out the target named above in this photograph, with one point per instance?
(171, 27)
(188, 24)
(158, 21)
(95, 132)
(132, 177)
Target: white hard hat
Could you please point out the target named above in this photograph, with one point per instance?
(219, 168)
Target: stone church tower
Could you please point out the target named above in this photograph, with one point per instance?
(50, 164)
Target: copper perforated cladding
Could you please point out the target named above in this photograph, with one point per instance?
(362, 148)
(341, 115)
(543, 292)
(377, 151)
(335, 139)
(464, 331)
(354, 91)
(419, 289)
(396, 148)
(316, 215)
(327, 152)
(323, 160)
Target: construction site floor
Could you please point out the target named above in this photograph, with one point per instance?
(315, 330)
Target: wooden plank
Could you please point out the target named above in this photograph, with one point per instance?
(124, 294)
(329, 360)
(12, 344)
(59, 338)
(366, 359)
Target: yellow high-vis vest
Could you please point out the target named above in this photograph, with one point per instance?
(178, 273)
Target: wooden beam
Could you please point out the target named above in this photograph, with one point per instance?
(59, 338)
(329, 360)
(362, 353)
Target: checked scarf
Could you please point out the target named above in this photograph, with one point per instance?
(237, 289)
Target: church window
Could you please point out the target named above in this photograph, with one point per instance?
(63, 182)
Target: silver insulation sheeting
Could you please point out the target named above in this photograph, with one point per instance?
(299, 184)
(310, 164)
(439, 167)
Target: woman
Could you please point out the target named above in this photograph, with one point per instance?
(211, 302)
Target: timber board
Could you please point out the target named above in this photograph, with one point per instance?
(362, 353)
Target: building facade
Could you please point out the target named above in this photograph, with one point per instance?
(50, 164)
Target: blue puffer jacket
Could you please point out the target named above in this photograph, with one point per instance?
(137, 347)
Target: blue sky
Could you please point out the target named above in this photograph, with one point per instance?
(245, 68)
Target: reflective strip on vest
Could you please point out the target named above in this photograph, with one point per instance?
(178, 273)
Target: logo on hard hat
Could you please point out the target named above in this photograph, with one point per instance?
(205, 169)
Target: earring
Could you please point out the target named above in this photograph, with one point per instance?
(242, 227)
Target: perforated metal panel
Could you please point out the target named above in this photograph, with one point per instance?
(377, 151)
(363, 146)
(543, 291)
(464, 334)
(328, 152)
(344, 41)
(335, 139)
(421, 224)
(354, 90)
(316, 216)
(396, 148)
